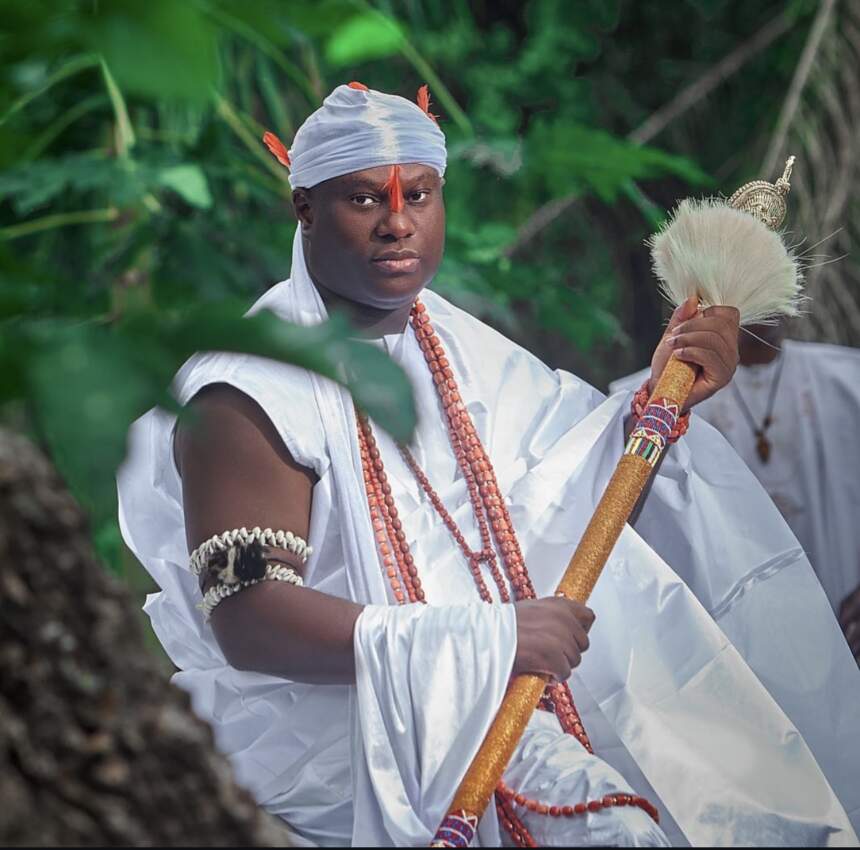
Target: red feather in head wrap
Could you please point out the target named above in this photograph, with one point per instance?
(359, 86)
(276, 146)
(424, 102)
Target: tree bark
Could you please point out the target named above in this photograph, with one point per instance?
(96, 746)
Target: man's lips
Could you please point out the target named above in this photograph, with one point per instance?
(397, 262)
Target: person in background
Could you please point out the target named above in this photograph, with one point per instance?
(788, 413)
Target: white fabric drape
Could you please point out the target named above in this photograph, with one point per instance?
(699, 715)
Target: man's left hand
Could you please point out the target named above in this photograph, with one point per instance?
(707, 339)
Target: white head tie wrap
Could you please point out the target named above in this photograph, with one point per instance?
(356, 129)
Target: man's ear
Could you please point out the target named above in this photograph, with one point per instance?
(303, 208)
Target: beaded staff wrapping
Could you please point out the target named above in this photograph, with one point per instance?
(643, 450)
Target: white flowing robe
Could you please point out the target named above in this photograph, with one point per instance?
(734, 712)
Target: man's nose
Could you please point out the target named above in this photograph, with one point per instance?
(396, 225)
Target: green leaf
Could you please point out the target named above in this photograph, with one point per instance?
(378, 385)
(44, 139)
(189, 182)
(14, 353)
(86, 389)
(108, 544)
(570, 158)
(125, 138)
(35, 184)
(122, 182)
(503, 156)
(72, 66)
(160, 48)
(370, 35)
(88, 382)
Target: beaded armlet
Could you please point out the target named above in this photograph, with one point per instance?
(221, 542)
(237, 559)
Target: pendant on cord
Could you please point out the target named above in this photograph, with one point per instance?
(762, 444)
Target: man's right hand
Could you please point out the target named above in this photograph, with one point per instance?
(552, 634)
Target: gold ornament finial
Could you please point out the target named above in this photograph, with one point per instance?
(766, 201)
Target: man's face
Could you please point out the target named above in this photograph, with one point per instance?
(359, 248)
(760, 338)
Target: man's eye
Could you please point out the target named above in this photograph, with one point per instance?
(418, 196)
(363, 200)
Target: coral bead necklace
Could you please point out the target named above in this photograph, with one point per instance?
(494, 524)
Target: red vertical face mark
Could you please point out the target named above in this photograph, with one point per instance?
(394, 189)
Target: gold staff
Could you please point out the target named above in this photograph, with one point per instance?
(688, 255)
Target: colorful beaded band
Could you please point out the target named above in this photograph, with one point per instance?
(659, 423)
(222, 542)
(640, 408)
(457, 830)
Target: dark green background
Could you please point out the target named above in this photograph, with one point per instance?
(139, 211)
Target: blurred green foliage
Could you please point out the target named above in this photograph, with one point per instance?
(140, 213)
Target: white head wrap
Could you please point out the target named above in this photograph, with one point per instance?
(356, 129)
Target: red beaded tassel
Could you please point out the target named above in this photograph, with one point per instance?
(511, 796)
(511, 823)
(494, 524)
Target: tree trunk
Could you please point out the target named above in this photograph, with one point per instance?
(96, 746)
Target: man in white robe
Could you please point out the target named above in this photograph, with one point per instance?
(689, 691)
(785, 414)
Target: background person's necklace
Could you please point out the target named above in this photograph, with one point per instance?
(762, 444)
